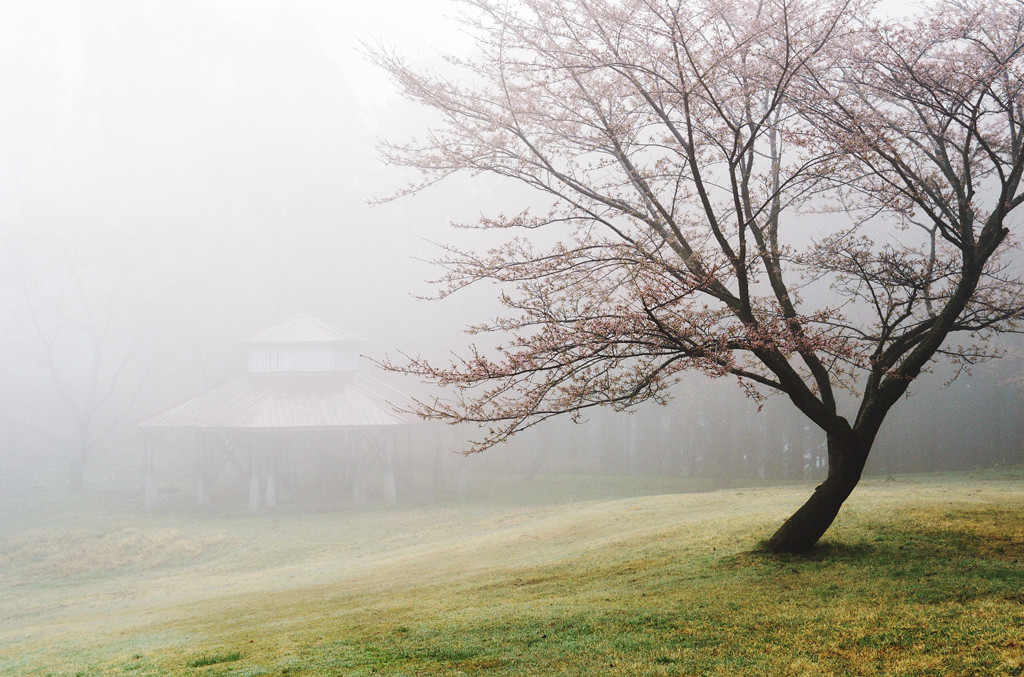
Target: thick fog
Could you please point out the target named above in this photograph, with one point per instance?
(177, 176)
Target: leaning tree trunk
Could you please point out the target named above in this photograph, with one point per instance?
(847, 454)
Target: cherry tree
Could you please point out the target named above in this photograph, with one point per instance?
(787, 193)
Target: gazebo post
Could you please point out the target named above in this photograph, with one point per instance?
(271, 491)
(202, 467)
(390, 490)
(254, 481)
(358, 455)
(271, 458)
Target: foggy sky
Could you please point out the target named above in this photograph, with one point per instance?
(176, 176)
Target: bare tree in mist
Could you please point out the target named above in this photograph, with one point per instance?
(74, 318)
(779, 192)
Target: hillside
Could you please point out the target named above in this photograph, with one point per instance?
(920, 575)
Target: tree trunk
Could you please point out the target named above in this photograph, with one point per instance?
(76, 474)
(847, 454)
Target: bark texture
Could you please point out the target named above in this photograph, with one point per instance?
(847, 455)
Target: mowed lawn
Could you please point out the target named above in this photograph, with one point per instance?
(921, 575)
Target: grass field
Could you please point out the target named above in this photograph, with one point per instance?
(921, 575)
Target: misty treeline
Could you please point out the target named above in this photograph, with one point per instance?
(710, 432)
(174, 180)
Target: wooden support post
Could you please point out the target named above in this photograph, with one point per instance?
(390, 490)
(271, 498)
(358, 453)
(271, 491)
(268, 464)
(254, 483)
(202, 471)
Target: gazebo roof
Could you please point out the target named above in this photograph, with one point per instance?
(291, 401)
(304, 329)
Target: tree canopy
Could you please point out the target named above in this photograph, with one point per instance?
(804, 196)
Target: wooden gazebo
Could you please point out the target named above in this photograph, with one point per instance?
(302, 419)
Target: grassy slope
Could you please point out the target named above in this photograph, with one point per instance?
(922, 575)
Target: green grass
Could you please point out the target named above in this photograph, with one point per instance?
(921, 575)
(214, 659)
